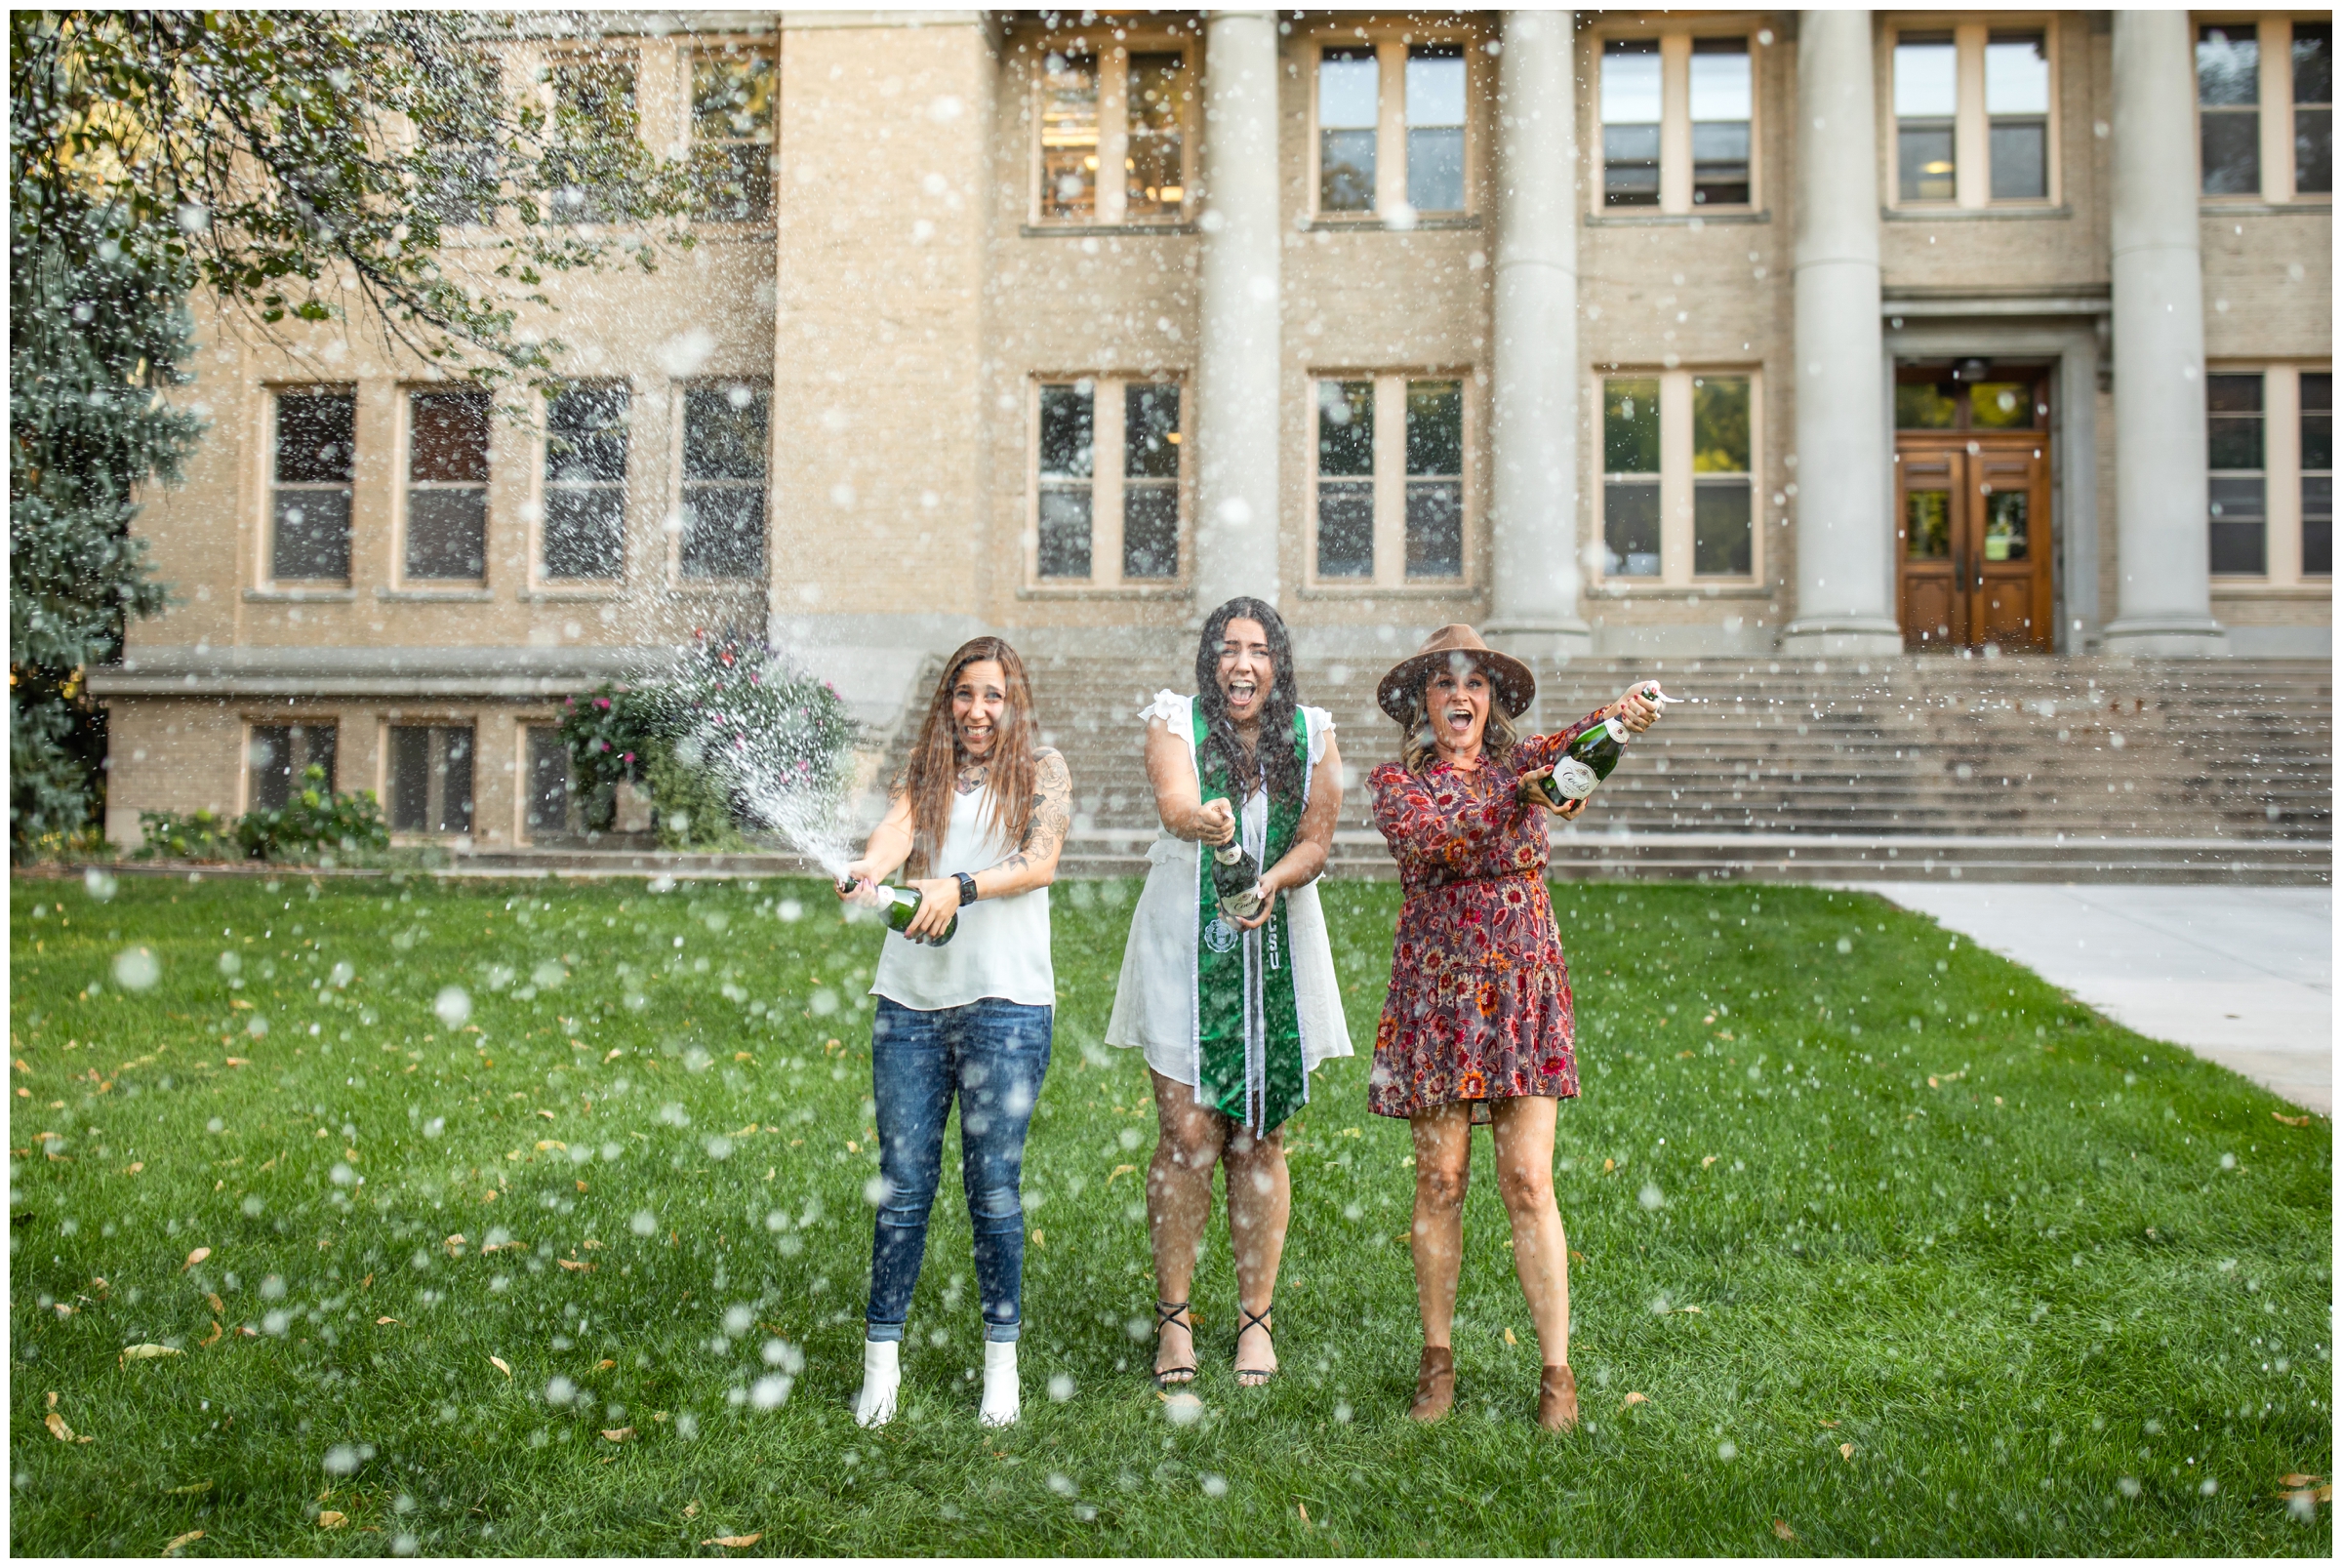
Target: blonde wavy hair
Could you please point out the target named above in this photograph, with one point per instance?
(1416, 751)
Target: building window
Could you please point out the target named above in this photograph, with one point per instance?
(1926, 111)
(2313, 109)
(1434, 110)
(594, 124)
(1722, 99)
(2238, 446)
(1104, 524)
(2316, 472)
(544, 809)
(2270, 443)
(1677, 117)
(2016, 106)
(2227, 107)
(1348, 120)
(731, 98)
(1678, 496)
(1392, 117)
(585, 484)
(1069, 137)
(1389, 480)
(316, 436)
(447, 486)
(281, 756)
(1631, 105)
(430, 778)
(725, 430)
(1068, 470)
(1129, 107)
(1974, 116)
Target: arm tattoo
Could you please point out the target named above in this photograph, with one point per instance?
(1052, 813)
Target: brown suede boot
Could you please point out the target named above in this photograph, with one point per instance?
(1434, 1384)
(1557, 1399)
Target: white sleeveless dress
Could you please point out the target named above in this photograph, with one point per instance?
(1154, 999)
(1003, 946)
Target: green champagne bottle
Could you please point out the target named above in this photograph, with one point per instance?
(1235, 872)
(901, 908)
(1590, 757)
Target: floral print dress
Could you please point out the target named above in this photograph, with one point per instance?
(1480, 1006)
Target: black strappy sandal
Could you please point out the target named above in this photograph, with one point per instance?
(1166, 1313)
(1260, 1320)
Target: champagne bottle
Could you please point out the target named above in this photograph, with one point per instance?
(1235, 878)
(1590, 757)
(902, 905)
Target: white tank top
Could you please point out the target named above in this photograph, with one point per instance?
(1002, 948)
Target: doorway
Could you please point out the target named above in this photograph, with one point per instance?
(1974, 555)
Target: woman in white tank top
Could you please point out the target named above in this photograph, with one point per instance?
(981, 810)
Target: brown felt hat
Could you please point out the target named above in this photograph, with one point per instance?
(1516, 685)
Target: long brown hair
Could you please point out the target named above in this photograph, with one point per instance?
(1416, 753)
(931, 774)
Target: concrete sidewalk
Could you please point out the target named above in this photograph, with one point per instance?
(2241, 975)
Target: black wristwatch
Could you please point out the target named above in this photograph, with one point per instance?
(967, 888)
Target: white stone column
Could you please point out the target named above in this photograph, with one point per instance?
(1533, 424)
(1846, 528)
(1236, 427)
(2163, 585)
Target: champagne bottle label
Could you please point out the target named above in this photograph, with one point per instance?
(1574, 780)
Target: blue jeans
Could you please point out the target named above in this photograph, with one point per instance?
(992, 1055)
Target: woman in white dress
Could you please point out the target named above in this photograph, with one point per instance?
(1231, 1012)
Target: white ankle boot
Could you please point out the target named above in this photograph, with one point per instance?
(882, 1380)
(999, 1408)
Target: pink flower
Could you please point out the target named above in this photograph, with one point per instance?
(602, 703)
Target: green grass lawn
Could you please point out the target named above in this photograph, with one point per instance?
(1904, 1251)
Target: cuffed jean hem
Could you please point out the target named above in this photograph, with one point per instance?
(881, 1333)
(1003, 1333)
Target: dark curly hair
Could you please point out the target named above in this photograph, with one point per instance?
(1277, 765)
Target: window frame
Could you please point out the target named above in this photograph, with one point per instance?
(407, 485)
(265, 577)
(540, 487)
(637, 59)
(1971, 123)
(1678, 483)
(436, 725)
(1674, 37)
(1389, 479)
(2280, 474)
(1110, 52)
(526, 730)
(679, 401)
(691, 55)
(2273, 31)
(1391, 41)
(1109, 426)
(301, 724)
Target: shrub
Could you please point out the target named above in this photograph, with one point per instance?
(317, 821)
(197, 836)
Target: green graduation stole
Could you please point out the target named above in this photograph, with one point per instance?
(1247, 1021)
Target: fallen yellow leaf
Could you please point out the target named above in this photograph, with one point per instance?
(691, 1510)
(499, 1362)
(2297, 1480)
(1608, 1166)
(211, 1300)
(1122, 1170)
(1303, 1508)
(205, 1344)
(548, 1144)
(1781, 1528)
(53, 1398)
(177, 1541)
(617, 1434)
(195, 1258)
(1846, 1451)
(1636, 1399)
(331, 1519)
(1709, 1161)
(604, 1365)
(1508, 1339)
(60, 1430)
(144, 1352)
(2290, 1121)
(733, 1541)
(384, 1322)
(237, 1062)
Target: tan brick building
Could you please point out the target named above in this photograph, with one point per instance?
(1712, 333)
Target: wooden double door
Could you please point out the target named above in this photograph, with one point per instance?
(1972, 538)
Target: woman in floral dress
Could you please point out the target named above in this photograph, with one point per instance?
(1476, 1026)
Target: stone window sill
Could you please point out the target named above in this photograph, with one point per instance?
(2311, 590)
(1368, 223)
(2248, 206)
(1085, 590)
(300, 595)
(1051, 231)
(1969, 215)
(1726, 215)
(1446, 588)
(1678, 590)
(434, 596)
(568, 595)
